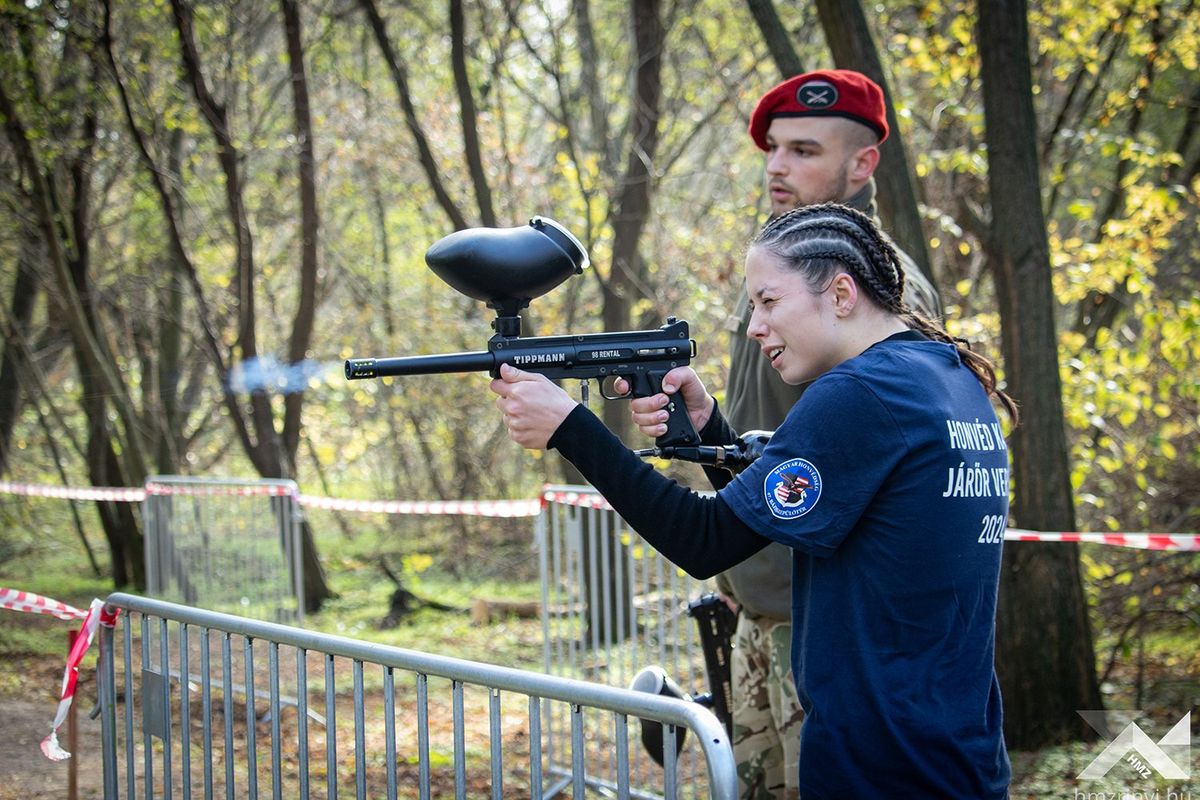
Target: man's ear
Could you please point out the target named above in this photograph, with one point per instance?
(863, 163)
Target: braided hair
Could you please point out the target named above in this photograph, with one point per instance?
(819, 241)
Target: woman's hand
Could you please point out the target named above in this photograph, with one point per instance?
(531, 405)
(650, 413)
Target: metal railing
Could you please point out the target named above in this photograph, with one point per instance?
(449, 729)
(226, 544)
(611, 605)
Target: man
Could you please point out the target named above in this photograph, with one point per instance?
(821, 133)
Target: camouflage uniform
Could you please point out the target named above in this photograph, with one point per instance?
(766, 710)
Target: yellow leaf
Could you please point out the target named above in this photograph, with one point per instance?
(418, 562)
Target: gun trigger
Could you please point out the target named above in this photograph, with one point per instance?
(583, 393)
(608, 388)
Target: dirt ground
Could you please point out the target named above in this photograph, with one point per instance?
(28, 700)
(25, 719)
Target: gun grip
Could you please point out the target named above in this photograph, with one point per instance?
(679, 424)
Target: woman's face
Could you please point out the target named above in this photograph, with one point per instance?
(794, 325)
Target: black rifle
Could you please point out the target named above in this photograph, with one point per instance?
(717, 623)
(508, 267)
(716, 620)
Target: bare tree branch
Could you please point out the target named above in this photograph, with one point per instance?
(400, 79)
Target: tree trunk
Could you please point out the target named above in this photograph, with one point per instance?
(1044, 653)
(631, 208)
(268, 452)
(316, 588)
(779, 41)
(121, 526)
(306, 165)
(468, 115)
(169, 202)
(62, 215)
(850, 41)
(400, 79)
(169, 333)
(61, 244)
(14, 325)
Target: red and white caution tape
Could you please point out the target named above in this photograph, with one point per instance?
(220, 489)
(566, 497)
(1143, 541)
(511, 508)
(95, 615)
(475, 508)
(113, 493)
(471, 508)
(29, 602)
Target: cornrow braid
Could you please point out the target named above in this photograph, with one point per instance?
(820, 240)
(800, 234)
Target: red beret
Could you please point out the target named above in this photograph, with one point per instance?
(826, 93)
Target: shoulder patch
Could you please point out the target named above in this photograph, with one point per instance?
(792, 489)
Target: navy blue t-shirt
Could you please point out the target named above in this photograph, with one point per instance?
(889, 478)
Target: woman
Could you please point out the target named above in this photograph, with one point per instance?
(888, 479)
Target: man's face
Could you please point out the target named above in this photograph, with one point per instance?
(813, 160)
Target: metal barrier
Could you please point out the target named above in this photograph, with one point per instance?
(448, 730)
(611, 605)
(226, 544)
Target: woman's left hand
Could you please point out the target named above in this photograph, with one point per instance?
(532, 406)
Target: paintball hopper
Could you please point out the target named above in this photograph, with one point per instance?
(507, 267)
(654, 680)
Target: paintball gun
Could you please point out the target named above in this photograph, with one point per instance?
(508, 267)
(732, 457)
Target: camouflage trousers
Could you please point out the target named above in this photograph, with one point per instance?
(766, 711)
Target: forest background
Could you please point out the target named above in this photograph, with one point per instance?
(209, 206)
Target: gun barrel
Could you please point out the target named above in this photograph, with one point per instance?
(478, 361)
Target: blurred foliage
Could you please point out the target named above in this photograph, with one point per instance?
(1120, 191)
(1115, 86)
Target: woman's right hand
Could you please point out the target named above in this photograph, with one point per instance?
(650, 414)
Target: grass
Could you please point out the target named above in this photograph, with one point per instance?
(358, 612)
(497, 564)
(41, 553)
(52, 566)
